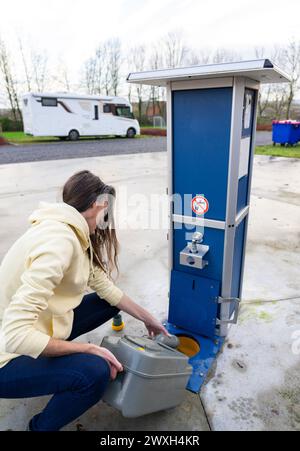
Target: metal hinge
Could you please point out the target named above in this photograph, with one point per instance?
(236, 303)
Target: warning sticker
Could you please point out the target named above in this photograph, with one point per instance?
(200, 205)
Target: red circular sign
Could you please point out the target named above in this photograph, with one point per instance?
(200, 205)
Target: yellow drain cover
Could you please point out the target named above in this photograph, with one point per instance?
(188, 346)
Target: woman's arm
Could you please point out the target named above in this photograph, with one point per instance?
(44, 269)
(59, 348)
(153, 325)
(106, 289)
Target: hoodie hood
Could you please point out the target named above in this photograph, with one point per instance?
(66, 214)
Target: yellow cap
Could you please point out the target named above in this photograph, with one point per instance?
(118, 328)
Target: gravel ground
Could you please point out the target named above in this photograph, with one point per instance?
(85, 149)
(82, 149)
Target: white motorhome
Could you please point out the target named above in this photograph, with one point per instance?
(71, 116)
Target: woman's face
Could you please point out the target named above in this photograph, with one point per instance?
(102, 209)
(96, 215)
(100, 217)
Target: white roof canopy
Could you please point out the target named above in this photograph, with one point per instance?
(73, 96)
(262, 71)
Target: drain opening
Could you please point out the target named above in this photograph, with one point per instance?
(188, 346)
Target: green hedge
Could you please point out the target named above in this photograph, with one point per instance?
(9, 125)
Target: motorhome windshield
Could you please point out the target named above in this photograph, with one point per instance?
(124, 111)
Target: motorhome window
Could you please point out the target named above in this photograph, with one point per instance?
(124, 111)
(96, 108)
(49, 102)
(107, 108)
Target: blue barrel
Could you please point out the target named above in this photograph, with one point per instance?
(286, 132)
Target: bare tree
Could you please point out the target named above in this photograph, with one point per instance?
(9, 81)
(62, 76)
(39, 63)
(137, 59)
(100, 63)
(102, 70)
(106, 70)
(273, 97)
(265, 91)
(35, 66)
(264, 97)
(114, 63)
(65, 77)
(197, 58)
(129, 95)
(156, 62)
(279, 92)
(96, 74)
(279, 100)
(222, 55)
(292, 66)
(108, 62)
(204, 56)
(89, 81)
(175, 49)
(25, 62)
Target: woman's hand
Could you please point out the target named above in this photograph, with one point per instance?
(154, 327)
(115, 365)
(129, 306)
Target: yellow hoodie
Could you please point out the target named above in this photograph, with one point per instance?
(44, 277)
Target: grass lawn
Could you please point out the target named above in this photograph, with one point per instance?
(278, 151)
(21, 138)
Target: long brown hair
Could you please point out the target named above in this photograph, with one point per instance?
(81, 191)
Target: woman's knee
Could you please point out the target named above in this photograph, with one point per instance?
(94, 371)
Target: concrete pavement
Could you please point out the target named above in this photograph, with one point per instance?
(255, 385)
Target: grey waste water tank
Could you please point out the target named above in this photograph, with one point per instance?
(155, 376)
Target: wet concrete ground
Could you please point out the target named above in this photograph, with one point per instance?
(255, 385)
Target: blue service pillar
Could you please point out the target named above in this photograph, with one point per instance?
(211, 144)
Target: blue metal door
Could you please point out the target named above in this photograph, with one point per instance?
(201, 148)
(194, 303)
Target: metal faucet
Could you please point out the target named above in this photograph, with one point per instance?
(197, 239)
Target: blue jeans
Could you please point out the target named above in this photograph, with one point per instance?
(77, 381)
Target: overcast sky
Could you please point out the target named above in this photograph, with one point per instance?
(71, 29)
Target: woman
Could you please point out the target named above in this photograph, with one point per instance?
(69, 247)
